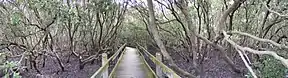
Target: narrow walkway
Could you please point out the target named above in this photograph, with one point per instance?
(132, 66)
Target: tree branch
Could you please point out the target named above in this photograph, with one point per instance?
(272, 53)
(272, 11)
(259, 39)
(240, 52)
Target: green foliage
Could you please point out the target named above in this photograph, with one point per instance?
(8, 67)
(272, 68)
(15, 18)
(269, 67)
(134, 33)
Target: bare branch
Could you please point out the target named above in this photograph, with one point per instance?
(260, 39)
(221, 49)
(164, 22)
(241, 53)
(246, 64)
(272, 11)
(272, 53)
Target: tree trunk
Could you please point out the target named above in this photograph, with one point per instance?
(157, 38)
(191, 31)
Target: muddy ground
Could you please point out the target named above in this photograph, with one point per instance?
(215, 67)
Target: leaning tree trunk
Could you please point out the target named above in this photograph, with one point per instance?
(157, 38)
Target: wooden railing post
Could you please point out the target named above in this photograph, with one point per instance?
(158, 67)
(104, 60)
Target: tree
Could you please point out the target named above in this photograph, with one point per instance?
(157, 38)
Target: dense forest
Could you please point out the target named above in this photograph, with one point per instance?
(197, 38)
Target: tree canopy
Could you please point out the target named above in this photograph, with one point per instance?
(243, 37)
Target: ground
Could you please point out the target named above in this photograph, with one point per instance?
(215, 67)
(72, 70)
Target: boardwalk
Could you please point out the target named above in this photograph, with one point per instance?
(132, 66)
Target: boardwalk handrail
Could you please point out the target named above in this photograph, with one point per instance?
(99, 72)
(147, 65)
(166, 70)
(117, 64)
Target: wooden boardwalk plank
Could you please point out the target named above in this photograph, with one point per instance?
(131, 66)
